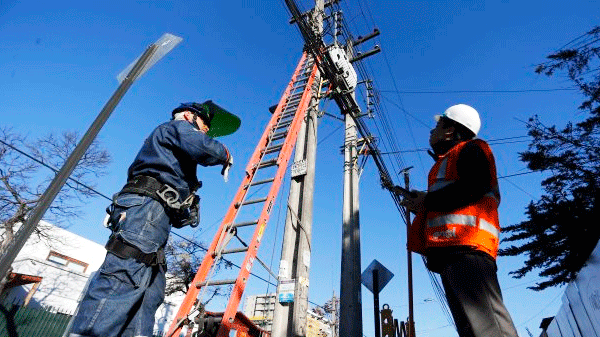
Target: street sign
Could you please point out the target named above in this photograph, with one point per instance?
(299, 168)
(286, 291)
(384, 275)
(164, 45)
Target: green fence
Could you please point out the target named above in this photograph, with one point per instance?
(19, 321)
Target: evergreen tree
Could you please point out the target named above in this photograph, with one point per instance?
(562, 227)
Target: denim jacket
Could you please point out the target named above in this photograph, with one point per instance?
(172, 152)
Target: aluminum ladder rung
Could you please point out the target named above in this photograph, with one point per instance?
(234, 250)
(290, 106)
(300, 84)
(268, 163)
(214, 283)
(283, 125)
(288, 117)
(273, 148)
(250, 202)
(244, 224)
(278, 137)
(295, 101)
(266, 181)
(296, 95)
(288, 111)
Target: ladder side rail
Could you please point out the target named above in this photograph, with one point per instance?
(209, 258)
(284, 157)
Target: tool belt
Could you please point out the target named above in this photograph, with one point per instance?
(163, 193)
(181, 213)
(125, 250)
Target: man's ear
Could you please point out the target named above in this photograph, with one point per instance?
(189, 116)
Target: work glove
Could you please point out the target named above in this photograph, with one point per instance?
(414, 201)
(227, 166)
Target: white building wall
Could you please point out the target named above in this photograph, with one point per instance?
(579, 314)
(61, 286)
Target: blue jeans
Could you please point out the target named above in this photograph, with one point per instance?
(124, 295)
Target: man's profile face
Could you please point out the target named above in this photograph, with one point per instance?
(201, 125)
(440, 132)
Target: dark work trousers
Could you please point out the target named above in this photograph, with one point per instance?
(124, 295)
(474, 296)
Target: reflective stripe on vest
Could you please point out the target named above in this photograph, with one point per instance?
(463, 220)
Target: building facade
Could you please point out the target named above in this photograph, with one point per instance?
(579, 314)
(54, 272)
(260, 309)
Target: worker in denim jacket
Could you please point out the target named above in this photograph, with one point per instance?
(125, 293)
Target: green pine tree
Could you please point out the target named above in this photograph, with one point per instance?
(563, 226)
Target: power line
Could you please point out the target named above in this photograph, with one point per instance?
(517, 187)
(479, 91)
(516, 174)
(404, 111)
(497, 141)
(534, 316)
(50, 167)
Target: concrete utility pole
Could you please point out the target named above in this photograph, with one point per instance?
(350, 286)
(289, 319)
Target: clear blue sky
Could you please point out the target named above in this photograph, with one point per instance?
(59, 60)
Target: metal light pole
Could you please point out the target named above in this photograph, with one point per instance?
(154, 52)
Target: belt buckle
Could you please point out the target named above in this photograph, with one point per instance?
(169, 195)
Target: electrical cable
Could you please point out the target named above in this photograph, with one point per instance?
(50, 167)
(519, 188)
(280, 197)
(479, 91)
(406, 112)
(545, 307)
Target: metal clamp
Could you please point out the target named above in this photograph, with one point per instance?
(170, 196)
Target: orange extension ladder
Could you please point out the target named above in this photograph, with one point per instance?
(274, 149)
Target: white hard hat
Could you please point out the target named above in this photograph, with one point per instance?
(464, 115)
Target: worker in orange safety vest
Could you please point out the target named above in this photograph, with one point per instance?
(457, 227)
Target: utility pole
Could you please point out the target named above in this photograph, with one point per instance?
(289, 319)
(336, 68)
(350, 286)
(411, 318)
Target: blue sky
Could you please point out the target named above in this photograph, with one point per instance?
(58, 67)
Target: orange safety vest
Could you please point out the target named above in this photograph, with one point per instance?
(475, 225)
